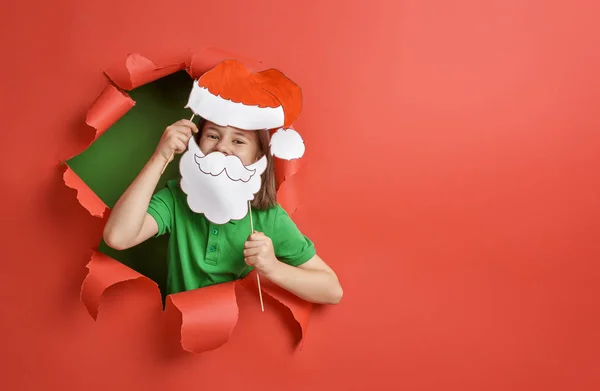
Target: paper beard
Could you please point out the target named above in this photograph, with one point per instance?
(217, 185)
(230, 95)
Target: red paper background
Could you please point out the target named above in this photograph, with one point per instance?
(465, 233)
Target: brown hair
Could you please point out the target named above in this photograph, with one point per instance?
(267, 195)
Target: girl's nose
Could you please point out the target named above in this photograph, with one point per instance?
(223, 148)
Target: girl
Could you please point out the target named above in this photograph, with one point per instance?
(202, 253)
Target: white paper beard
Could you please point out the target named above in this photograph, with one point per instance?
(217, 185)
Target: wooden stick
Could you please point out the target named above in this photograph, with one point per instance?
(262, 306)
(172, 154)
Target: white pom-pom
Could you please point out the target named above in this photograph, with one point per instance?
(287, 144)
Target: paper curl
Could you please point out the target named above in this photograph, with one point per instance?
(137, 70)
(105, 272)
(299, 308)
(208, 315)
(287, 196)
(108, 107)
(208, 58)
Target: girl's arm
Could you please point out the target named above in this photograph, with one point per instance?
(312, 281)
(129, 223)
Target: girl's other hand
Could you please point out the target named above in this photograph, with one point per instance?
(175, 139)
(259, 252)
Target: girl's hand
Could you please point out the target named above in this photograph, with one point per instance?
(175, 138)
(259, 252)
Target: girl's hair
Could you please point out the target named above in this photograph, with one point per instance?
(267, 195)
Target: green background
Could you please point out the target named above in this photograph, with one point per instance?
(113, 161)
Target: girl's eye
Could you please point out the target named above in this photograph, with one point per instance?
(214, 137)
(238, 141)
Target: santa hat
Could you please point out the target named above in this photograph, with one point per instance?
(231, 95)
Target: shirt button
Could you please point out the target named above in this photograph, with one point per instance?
(211, 249)
(215, 231)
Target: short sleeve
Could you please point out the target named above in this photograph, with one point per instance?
(161, 209)
(290, 245)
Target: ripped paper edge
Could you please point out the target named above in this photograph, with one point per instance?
(133, 78)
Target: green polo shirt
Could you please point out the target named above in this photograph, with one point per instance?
(201, 253)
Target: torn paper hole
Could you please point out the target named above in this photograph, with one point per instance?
(105, 271)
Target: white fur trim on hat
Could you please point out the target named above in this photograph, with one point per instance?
(224, 112)
(287, 144)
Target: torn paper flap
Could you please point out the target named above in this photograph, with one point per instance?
(208, 58)
(287, 192)
(299, 308)
(137, 70)
(208, 315)
(86, 197)
(105, 272)
(285, 169)
(287, 196)
(108, 107)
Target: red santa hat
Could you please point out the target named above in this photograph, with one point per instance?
(231, 95)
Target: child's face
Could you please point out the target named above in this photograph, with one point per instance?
(230, 141)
